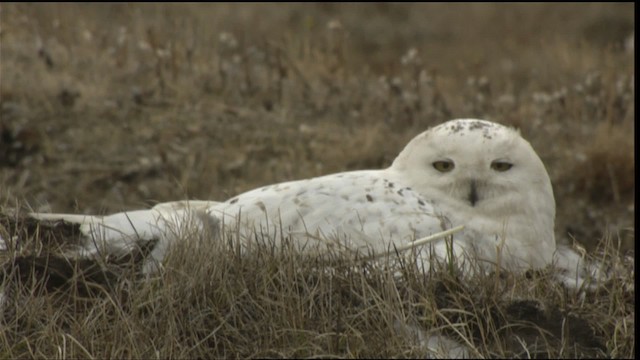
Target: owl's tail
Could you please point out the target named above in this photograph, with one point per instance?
(121, 234)
(68, 251)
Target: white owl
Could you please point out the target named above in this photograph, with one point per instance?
(467, 172)
(474, 173)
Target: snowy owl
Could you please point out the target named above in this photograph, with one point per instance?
(467, 172)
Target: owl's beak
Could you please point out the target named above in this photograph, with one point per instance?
(473, 193)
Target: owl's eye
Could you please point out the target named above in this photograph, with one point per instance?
(501, 166)
(443, 165)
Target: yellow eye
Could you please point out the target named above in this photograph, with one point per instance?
(501, 166)
(444, 165)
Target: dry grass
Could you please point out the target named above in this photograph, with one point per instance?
(212, 301)
(112, 107)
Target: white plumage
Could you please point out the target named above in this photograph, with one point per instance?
(468, 172)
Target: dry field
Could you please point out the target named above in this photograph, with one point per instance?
(109, 107)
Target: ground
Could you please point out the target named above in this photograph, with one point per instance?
(109, 107)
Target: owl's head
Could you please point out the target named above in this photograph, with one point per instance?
(482, 173)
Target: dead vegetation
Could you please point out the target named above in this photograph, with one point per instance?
(107, 107)
(213, 301)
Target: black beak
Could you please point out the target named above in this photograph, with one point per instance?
(473, 193)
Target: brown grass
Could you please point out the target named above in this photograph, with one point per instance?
(108, 107)
(211, 301)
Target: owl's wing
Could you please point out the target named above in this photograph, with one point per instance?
(360, 208)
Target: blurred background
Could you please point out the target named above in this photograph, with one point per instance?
(109, 107)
